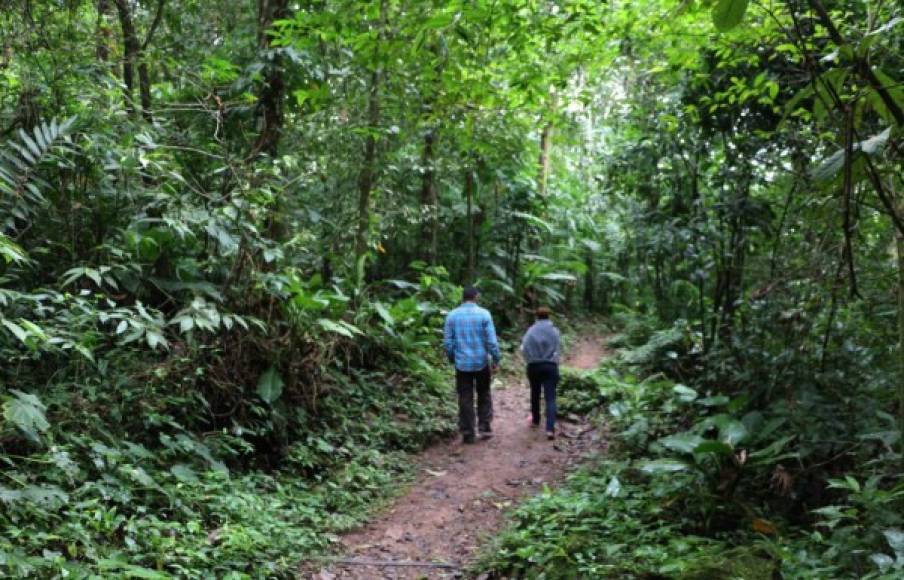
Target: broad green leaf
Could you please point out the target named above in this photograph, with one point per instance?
(716, 401)
(729, 13)
(49, 496)
(155, 339)
(46, 495)
(875, 143)
(731, 431)
(683, 442)
(339, 327)
(10, 251)
(895, 539)
(441, 20)
(558, 277)
(830, 167)
(139, 475)
(715, 447)
(17, 330)
(893, 89)
(128, 570)
(685, 394)
(184, 473)
(883, 561)
(773, 449)
(384, 313)
(26, 412)
(664, 466)
(270, 386)
(532, 218)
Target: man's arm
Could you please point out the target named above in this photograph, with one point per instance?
(492, 343)
(449, 339)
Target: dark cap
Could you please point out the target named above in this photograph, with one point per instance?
(470, 293)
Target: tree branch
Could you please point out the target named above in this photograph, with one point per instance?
(157, 18)
(862, 67)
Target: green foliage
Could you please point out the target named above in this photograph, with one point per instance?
(221, 258)
(700, 485)
(729, 13)
(26, 412)
(174, 508)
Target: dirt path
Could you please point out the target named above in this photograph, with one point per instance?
(462, 491)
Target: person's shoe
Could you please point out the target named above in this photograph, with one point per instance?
(530, 421)
(550, 435)
(467, 439)
(486, 435)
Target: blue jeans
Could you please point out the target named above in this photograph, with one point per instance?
(543, 376)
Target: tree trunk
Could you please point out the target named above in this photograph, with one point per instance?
(132, 56)
(144, 90)
(102, 32)
(429, 205)
(272, 92)
(368, 169)
(131, 49)
(862, 66)
(899, 246)
(469, 197)
(545, 146)
(899, 242)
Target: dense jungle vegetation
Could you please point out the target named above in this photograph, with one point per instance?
(229, 232)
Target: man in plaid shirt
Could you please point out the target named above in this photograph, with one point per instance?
(470, 342)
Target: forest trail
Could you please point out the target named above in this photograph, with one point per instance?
(462, 491)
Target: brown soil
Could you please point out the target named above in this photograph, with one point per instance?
(462, 491)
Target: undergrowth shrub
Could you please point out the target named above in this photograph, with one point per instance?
(701, 482)
(233, 456)
(108, 504)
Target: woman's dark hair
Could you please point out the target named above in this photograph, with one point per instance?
(542, 313)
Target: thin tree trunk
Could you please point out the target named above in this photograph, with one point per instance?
(130, 52)
(899, 246)
(132, 56)
(848, 192)
(102, 32)
(368, 169)
(144, 90)
(469, 197)
(366, 176)
(270, 97)
(545, 146)
(429, 205)
(861, 64)
(899, 242)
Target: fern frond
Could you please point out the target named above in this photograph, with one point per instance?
(19, 159)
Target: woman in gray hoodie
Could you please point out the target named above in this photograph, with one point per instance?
(540, 347)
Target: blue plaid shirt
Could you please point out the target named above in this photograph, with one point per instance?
(470, 337)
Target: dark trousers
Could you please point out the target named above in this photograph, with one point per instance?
(466, 383)
(543, 376)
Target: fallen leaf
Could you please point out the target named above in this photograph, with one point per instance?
(436, 473)
(763, 526)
